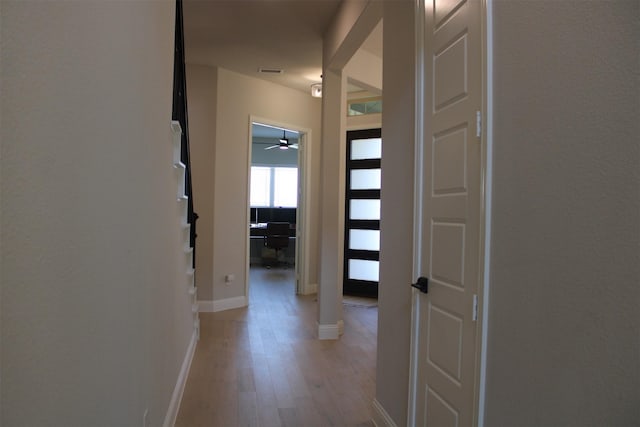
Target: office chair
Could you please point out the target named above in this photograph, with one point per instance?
(277, 237)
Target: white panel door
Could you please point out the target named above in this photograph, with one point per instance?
(446, 328)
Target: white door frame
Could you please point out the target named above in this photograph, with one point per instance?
(302, 211)
(485, 213)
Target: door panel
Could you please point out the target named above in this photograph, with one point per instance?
(447, 264)
(450, 73)
(449, 162)
(445, 343)
(450, 215)
(440, 412)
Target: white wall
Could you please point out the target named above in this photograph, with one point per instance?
(202, 85)
(365, 69)
(352, 24)
(333, 182)
(563, 334)
(565, 262)
(94, 323)
(396, 225)
(239, 97)
(365, 121)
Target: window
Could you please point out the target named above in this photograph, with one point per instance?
(274, 187)
(285, 187)
(260, 186)
(359, 107)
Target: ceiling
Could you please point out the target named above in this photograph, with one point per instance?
(271, 134)
(246, 35)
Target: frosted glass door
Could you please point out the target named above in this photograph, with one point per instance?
(362, 216)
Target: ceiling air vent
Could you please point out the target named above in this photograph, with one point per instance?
(270, 70)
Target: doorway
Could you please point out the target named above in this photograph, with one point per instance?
(278, 159)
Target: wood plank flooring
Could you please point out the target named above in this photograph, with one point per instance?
(263, 366)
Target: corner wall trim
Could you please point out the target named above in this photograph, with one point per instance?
(380, 417)
(310, 288)
(328, 332)
(176, 397)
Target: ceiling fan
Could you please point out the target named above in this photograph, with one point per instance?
(283, 144)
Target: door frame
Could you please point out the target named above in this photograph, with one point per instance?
(486, 141)
(302, 211)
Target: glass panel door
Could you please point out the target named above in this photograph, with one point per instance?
(362, 216)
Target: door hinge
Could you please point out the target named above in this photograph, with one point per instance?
(478, 124)
(474, 315)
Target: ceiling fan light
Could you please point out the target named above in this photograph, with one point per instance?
(284, 142)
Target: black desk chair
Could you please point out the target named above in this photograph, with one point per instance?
(277, 237)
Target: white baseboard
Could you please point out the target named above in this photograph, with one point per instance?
(328, 332)
(176, 397)
(222, 304)
(380, 416)
(229, 303)
(260, 262)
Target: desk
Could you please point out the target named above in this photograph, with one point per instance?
(257, 233)
(260, 229)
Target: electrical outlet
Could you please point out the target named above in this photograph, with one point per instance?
(229, 278)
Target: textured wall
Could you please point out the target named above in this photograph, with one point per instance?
(202, 84)
(351, 25)
(239, 97)
(564, 326)
(94, 322)
(396, 226)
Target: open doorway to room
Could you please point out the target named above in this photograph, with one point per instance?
(277, 201)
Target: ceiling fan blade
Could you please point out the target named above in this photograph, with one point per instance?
(271, 146)
(294, 146)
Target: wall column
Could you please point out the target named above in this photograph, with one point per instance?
(332, 235)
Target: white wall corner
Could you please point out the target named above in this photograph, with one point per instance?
(205, 306)
(229, 303)
(328, 332)
(309, 289)
(380, 417)
(176, 397)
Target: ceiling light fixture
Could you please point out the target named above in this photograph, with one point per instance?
(316, 90)
(284, 142)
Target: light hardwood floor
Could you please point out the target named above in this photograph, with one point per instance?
(263, 366)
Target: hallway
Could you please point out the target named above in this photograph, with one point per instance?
(263, 366)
